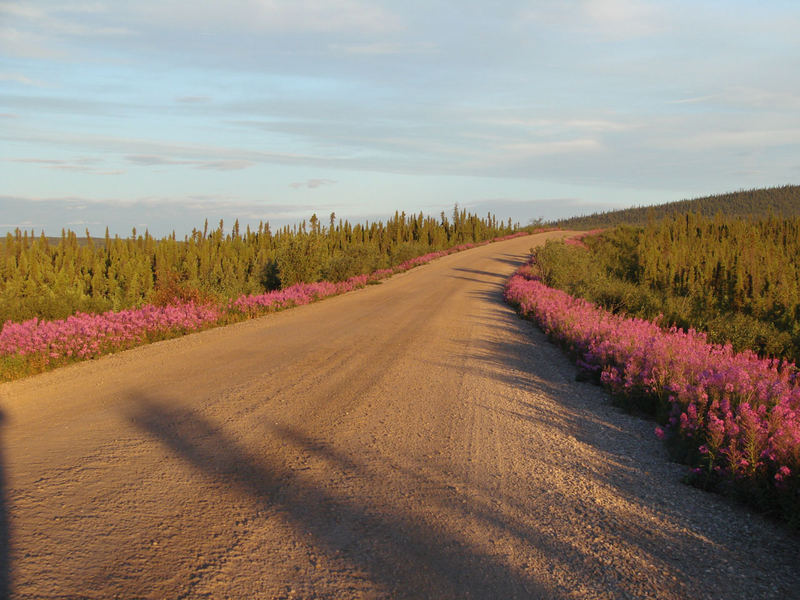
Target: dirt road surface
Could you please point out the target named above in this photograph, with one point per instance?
(414, 439)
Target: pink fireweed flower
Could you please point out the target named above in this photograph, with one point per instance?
(783, 473)
(739, 412)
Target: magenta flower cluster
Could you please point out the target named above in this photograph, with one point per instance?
(295, 295)
(734, 417)
(84, 336)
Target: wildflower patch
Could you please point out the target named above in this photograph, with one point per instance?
(734, 418)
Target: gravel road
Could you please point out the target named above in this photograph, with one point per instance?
(413, 439)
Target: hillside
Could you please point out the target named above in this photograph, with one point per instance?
(783, 201)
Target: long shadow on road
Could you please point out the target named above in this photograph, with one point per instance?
(402, 554)
(630, 463)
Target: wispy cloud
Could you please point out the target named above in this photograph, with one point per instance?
(744, 97)
(562, 125)
(149, 152)
(320, 16)
(193, 99)
(753, 139)
(20, 78)
(21, 9)
(693, 100)
(153, 160)
(27, 44)
(311, 183)
(385, 48)
(42, 31)
(610, 19)
(65, 19)
(225, 165)
(82, 165)
(621, 19)
(552, 147)
(256, 96)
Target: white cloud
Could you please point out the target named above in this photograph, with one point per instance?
(311, 183)
(19, 78)
(610, 19)
(224, 165)
(752, 97)
(23, 10)
(694, 99)
(748, 97)
(385, 48)
(522, 149)
(624, 18)
(34, 23)
(26, 44)
(154, 160)
(561, 125)
(743, 139)
(599, 125)
(153, 152)
(320, 16)
(193, 99)
(82, 165)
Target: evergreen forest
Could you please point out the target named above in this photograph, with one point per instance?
(736, 278)
(52, 279)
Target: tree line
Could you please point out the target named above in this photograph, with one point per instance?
(736, 278)
(50, 279)
(779, 201)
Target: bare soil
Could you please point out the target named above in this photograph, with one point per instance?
(414, 439)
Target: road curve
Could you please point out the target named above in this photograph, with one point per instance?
(413, 439)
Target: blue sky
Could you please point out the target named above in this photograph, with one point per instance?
(160, 114)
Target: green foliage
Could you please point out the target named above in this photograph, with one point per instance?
(52, 278)
(734, 278)
(300, 258)
(407, 250)
(781, 201)
(350, 262)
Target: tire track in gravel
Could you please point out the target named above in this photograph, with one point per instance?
(410, 440)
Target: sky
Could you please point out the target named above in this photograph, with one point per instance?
(160, 114)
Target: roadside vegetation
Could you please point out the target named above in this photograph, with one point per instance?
(695, 321)
(72, 298)
(734, 418)
(43, 279)
(736, 279)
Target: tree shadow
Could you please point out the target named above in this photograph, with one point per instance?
(514, 260)
(629, 460)
(401, 553)
(491, 274)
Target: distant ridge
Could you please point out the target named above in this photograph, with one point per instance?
(783, 201)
